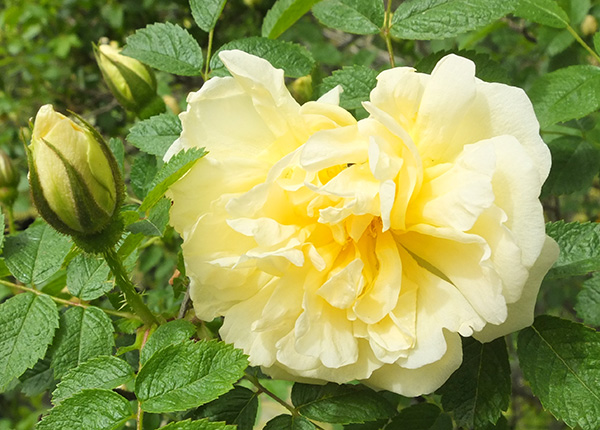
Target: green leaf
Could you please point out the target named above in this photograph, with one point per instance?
(35, 254)
(238, 406)
(170, 173)
(155, 223)
(38, 379)
(90, 410)
(546, 12)
(171, 333)
(440, 19)
(486, 68)
(118, 150)
(597, 42)
(27, 325)
(101, 372)
(156, 134)
(143, 171)
(351, 16)
(197, 425)
(423, 416)
(294, 59)
(187, 375)
(288, 422)
(357, 82)
(282, 15)
(575, 164)
(166, 47)
(577, 9)
(84, 333)
(559, 359)
(207, 12)
(87, 277)
(588, 302)
(480, 389)
(343, 404)
(569, 93)
(579, 245)
(371, 425)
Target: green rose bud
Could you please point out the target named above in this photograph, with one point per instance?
(9, 180)
(75, 181)
(132, 83)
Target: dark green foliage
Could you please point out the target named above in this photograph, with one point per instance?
(479, 390)
(333, 403)
(187, 375)
(559, 359)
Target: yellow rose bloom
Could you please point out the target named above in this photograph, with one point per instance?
(342, 250)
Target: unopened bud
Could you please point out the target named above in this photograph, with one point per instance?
(75, 180)
(9, 180)
(589, 25)
(302, 89)
(132, 83)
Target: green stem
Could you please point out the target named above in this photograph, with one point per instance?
(10, 215)
(582, 43)
(208, 53)
(68, 302)
(262, 389)
(385, 32)
(134, 300)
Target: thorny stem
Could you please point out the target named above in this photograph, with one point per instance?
(208, 53)
(262, 389)
(582, 43)
(68, 302)
(131, 295)
(385, 32)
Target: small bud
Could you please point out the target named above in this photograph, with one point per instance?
(132, 83)
(589, 25)
(74, 178)
(302, 89)
(9, 180)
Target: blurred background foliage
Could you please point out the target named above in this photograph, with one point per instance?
(46, 57)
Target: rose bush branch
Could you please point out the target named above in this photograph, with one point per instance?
(120, 314)
(262, 389)
(133, 299)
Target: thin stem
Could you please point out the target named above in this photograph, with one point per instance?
(262, 389)
(184, 304)
(68, 302)
(10, 215)
(582, 43)
(208, 53)
(131, 295)
(385, 31)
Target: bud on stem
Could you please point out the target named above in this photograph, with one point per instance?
(75, 181)
(132, 83)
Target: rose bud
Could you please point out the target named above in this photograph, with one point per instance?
(132, 83)
(9, 179)
(75, 181)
